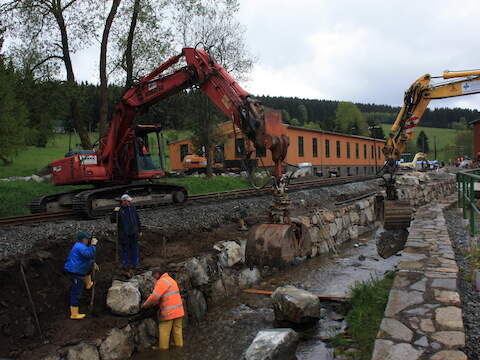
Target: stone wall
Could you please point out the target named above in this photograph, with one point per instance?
(423, 317)
(209, 279)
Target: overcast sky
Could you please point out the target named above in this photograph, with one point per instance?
(359, 51)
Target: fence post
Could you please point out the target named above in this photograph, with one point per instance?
(464, 196)
(473, 225)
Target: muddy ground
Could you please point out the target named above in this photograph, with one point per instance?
(193, 231)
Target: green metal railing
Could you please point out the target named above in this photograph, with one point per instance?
(466, 196)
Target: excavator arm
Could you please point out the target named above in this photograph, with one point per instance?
(397, 214)
(202, 71)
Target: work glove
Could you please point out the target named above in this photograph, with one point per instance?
(94, 241)
(95, 267)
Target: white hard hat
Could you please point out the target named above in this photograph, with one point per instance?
(126, 197)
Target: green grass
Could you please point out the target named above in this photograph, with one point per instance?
(443, 137)
(15, 196)
(33, 159)
(368, 301)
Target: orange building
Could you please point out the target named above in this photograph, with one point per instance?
(328, 152)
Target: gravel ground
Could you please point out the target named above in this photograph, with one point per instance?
(178, 219)
(469, 295)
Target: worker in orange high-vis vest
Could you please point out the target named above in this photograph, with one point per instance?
(170, 313)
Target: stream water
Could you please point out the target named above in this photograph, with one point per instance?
(229, 329)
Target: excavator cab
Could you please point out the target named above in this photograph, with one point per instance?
(149, 154)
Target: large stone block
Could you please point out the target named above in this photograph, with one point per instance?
(278, 344)
(197, 271)
(147, 334)
(248, 277)
(123, 298)
(118, 345)
(82, 351)
(295, 305)
(230, 253)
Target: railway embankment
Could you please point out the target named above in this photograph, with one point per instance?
(423, 317)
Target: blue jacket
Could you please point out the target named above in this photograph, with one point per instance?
(80, 258)
(128, 223)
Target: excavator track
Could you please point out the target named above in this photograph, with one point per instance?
(53, 202)
(95, 203)
(396, 214)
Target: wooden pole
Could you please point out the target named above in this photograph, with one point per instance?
(32, 304)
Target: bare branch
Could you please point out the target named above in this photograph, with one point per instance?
(44, 61)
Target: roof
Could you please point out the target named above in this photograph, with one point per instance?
(302, 129)
(474, 121)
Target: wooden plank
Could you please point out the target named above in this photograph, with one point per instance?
(321, 297)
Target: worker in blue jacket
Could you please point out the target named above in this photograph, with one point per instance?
(129, 230)
(78, 269)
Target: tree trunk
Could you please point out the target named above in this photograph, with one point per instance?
(128, 50)
(80, 124)
(102, 121)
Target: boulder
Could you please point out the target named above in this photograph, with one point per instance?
(118, 345)
(197, 304)
(278, 344)
(230, 253)
(50, 357)
(197, 272)
(248, 277)
(145, 283)
(147, 334)
(295, 305)
(82, 351)
(123, 298)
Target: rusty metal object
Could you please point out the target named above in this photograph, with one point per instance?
(396, 214)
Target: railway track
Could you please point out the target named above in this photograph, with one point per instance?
(223, 195)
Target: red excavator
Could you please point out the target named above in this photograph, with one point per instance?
(130, 157)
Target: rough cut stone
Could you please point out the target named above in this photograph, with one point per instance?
(419, 285)
(197, 272)
(295, 305)
(248, 277)
(450, 284)
(385, 349)
(445, 296)
(449, 355)
(147, 334)
(427, 325)
(197, 304)
(145, 283)
(230, 253)
(123, 298)
(118, 345)
(51, 357)
(423, 341)
(272, 344)
(449, 317)
(400, 299)
(395, 330)
(82, 351)
(450, 338)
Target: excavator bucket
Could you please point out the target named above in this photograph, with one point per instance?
(277, 244)
(396, 214)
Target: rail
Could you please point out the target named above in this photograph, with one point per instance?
(466, 181)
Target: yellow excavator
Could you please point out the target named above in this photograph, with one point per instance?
(397, 214)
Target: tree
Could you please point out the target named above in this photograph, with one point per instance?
(303, 113)
(13, 115)
(312, 125)
(102, 121)
(460, 125)
(349, 120)
(422, 142)
(464, 141)
(213, 25)
(48, 32)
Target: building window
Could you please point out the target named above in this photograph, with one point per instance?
(183, 151)
(357, 152)
(373, 152)
(348, 150)
(219, 154)
(327, 148)
(314, 147)
(348, 171)
(365, 152)
(239, 148)
(300, 146)
(339, 150)
(260, 151)
(379, 153)
(365, 168)
(357, 168)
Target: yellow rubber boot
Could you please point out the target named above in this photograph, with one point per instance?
(74, 313)
(88, 281)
